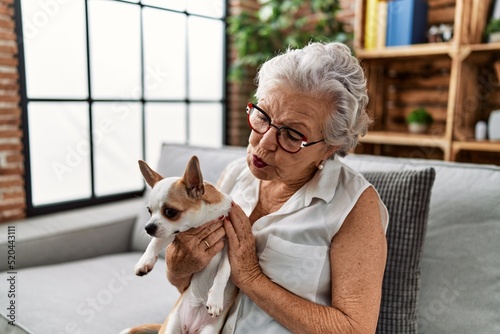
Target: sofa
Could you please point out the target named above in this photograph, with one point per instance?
(72, 272)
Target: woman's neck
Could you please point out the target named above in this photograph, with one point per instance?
(278, 192)
(272, 196)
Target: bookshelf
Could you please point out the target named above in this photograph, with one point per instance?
(416, 50)
(454, 80)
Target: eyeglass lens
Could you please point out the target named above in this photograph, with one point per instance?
(289, 139)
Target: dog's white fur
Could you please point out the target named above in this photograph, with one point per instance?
(176, 205)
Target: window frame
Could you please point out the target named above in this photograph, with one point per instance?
(34, 210)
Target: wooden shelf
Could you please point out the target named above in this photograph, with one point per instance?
(406, 139)
(483, 146)
(476, 51)
(485, 47)
(453, 80)
(415, 50)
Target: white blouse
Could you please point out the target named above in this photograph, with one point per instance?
(293, 243)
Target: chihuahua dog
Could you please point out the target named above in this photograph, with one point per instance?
(176, 205)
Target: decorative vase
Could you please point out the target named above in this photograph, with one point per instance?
(481, 130)
(417, 127)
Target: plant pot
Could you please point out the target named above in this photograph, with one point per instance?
(494, 37)
(417, 127)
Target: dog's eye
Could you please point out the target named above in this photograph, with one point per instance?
(170, 213)
(149, 210)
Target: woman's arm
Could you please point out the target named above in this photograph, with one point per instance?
(357, 255)
(188, 253)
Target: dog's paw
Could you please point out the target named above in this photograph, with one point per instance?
(214, 310)
(215, 303)
(143, 267)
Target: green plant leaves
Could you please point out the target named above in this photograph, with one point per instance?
(280, 24)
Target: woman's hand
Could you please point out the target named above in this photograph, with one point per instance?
(245, 267)
(192, 250)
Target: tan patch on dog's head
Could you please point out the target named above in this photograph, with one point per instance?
(212, 195)
(179, 200)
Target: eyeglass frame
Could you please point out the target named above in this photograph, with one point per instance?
(304, 143)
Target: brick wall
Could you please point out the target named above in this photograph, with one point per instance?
(238, 93)
(12, 196)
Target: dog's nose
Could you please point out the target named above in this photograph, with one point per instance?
(151, 229)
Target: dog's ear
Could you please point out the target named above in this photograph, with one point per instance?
(149, 174)
(193, 179)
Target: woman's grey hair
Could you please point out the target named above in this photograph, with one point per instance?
(332, 74)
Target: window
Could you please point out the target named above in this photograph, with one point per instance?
(105, 82)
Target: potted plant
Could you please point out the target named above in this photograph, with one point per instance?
(419, 120)
(493, 31)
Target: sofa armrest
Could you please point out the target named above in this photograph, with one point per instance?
(70, 235)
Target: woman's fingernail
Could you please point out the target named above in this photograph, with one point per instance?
(232, 204)
(221, 217)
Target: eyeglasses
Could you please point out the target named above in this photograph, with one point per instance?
(288, 139)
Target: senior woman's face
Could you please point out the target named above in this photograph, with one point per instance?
(306, 114)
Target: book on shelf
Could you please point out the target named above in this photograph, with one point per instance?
(375, 24)
(381, 24)
(371, 24)
(406, 22)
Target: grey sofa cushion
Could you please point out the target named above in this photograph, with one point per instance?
(99, 295)
(406, 195)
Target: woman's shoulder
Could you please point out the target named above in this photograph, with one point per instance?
(363, 192)
(346, 176)
(346, 168)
